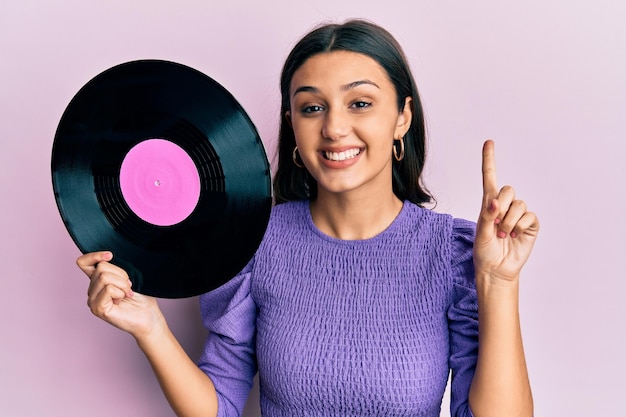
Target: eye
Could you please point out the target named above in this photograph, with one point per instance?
(311, 109)
(360, 104)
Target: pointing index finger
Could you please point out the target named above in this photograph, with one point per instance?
(490, 183)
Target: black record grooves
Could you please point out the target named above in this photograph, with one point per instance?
(152, 99)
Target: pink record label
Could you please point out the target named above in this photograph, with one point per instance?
(160, 182)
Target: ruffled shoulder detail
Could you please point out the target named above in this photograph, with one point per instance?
(229, 314)
(223, 308)
(463, 233)
(462, 317)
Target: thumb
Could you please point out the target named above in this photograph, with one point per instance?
(89, 261)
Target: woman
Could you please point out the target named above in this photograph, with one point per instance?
(358, 301)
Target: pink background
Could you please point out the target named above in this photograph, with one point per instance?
(545, 79)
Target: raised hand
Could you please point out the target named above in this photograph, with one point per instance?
(111, 298)
(506, 230)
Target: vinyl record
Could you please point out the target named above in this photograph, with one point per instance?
(159, 164)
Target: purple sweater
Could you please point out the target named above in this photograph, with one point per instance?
(348, 328)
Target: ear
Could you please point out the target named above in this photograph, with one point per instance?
(404, 118)
(288, 118)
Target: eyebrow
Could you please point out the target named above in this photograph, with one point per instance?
(346, 87)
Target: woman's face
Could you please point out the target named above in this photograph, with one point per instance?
(345, 116)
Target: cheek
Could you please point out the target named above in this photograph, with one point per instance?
(377, 133)
(305, 130)
(383, 123)
(305, 141)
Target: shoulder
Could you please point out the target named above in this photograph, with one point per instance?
(289, 209)
(462, 251)
(427, 221)
(288, 214)
(454, 235)
(464, 228)
(453, 225)
(463, 234)
(287, 220)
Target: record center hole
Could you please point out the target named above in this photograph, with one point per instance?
(157, 183)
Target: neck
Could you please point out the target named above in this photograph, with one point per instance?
(351, 217)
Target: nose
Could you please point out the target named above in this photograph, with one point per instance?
(336, 124)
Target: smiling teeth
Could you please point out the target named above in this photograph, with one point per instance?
(342, 156)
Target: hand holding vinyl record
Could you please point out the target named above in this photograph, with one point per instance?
(111, 298)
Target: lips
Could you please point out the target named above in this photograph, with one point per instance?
(341, 156)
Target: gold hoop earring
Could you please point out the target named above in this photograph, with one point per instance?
(294, 157)
(398, 157)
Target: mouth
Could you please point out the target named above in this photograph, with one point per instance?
(341, 156)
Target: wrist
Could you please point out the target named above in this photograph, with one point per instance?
(491, 279)
(494, 289)
(154, 335)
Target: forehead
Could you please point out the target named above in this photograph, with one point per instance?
(338, 68)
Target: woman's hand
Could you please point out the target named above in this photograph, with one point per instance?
(111, 298)
(505, 235)
(506, 230)
(187, 388)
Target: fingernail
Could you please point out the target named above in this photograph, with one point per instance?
(497, 220)
(513, 234)
(501, 234)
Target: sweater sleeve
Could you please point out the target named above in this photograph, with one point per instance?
(229, 314)
(462, 318)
